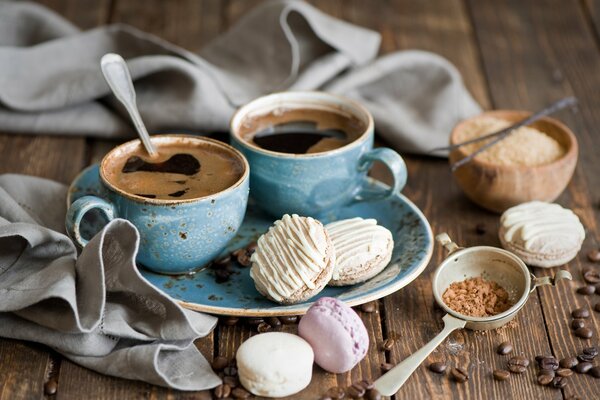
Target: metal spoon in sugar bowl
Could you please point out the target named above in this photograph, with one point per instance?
(491, 263)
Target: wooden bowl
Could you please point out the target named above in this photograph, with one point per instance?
(498, 187)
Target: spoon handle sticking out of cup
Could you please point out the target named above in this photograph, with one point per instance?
(118, 78)
(393, 380)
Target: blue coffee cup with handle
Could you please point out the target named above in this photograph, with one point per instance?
(312, 184)
(176, 235)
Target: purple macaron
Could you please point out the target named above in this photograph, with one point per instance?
(336, 333)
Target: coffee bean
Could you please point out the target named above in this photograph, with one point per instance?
(388, 344)
(583, 367)
(459, 375)
(587, 290)
(263, 327)
(230, 370)
(222, 391)
(50, 387)
(239, 393)
(590, 351)
(243, 257)
(231, 381)
(577, 323)
(372, 394)
(539, 358)
(254, 321)
(564, 372)
(365, 384)
(544, 379)
(356, 391)
(548, 363)
(518, 364)
(594, 255)
(595, 372)
(580, 313)
(368, 307)
(222, 275)
(568, 362)
(584, 333)
(501, 374)
(597, 307)
(386, 366)
(504, 348)
(251, 248)
(289, 319)
(591, 275)
(219, 363)
(559, 382)
(274, 322)
(335, 392)
(480, 229)
(437, 367)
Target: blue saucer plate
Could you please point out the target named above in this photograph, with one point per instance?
(200, 291)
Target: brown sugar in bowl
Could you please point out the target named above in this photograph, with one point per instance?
(499, 187)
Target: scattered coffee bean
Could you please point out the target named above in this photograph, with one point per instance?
(335, 392)
(518, 364)
(559, 382)
(583, 367)
(243, 257)
(577, 323)
(254, 321)
(548, 363)
(597, 307)
(594, 255)
(591, 275)
(564, 372)
(584, 333)
(222, 275)
(587, 290)
(222, 391)
(239, 393)
(501, 374)
(251, 248)
(386, 366)
(568, 362)
(356, 391)
(544, 379)
(437, 367)
(504, 348)
(289, 319)
(388, 344)
(274, 322)
(459, 374)
(231, 381)
(368, 307)
(372, 394)
(263, 327)
(50, 387)
(230, 370)
(539, 358)
(595, 372)
(480, 229)
(590, 351)
(219, 363)
(581, 313)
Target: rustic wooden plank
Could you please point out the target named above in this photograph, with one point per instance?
(592, 8)
(23, 369)
(444, 27)
(533, 55)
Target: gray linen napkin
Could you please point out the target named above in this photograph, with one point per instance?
(50, 81)
(96, 310)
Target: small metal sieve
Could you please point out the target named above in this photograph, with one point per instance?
(491, 263)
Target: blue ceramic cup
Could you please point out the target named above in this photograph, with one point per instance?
(176, 236)
(316, 183)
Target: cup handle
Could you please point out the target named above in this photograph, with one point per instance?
(549, 280)
(444, 240)
(393, 162)
(79, 208)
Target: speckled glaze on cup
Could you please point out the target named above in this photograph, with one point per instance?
(313, 184)
(176, 236)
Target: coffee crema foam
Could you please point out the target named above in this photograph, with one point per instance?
(218, 170)
(301, 130)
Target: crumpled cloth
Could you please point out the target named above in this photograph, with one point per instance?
(50, 79)
(95, 309)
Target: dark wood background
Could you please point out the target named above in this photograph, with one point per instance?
(512, 54)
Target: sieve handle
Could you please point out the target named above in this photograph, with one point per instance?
(448, 244)
(393, 380)
(549, 280)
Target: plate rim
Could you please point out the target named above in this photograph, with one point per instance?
(276, 311)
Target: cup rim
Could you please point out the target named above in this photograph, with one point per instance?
(511, 311)
(305, 95)
(169, 136)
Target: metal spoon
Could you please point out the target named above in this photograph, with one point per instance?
(118, 78)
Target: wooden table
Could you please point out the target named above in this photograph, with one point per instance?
(512, 54)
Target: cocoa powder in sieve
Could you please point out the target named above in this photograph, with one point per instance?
(477, 297)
